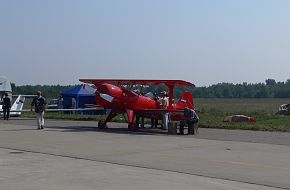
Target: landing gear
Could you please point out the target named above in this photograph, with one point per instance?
(102, 124)
(132, 127)
(130, 116)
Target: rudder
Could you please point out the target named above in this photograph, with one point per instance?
(17, 106)
(186, 100)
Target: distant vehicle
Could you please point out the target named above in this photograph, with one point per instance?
(239, 118)
(284, 109)
(53, 104)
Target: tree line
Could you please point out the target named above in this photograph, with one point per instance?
(49, 91)
(269, 89)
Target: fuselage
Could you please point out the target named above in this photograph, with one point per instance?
(120, 100)
(117, 98)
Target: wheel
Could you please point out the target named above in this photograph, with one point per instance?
(130, 126)
(101, 124)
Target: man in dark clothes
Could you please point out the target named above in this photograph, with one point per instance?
(191, 119)
(6, 106)
(181, 127)
(39, 104)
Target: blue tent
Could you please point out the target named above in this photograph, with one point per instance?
(78, 96)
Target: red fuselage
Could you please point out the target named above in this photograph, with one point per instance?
(119, 99)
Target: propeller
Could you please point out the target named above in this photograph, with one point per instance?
(107, 97)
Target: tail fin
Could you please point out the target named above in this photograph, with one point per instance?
(186, 100)
(17, 105)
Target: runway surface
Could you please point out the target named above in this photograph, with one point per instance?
(75, 154)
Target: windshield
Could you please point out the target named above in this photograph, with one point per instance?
(149, 95)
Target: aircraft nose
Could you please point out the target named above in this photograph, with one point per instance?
(110, 90)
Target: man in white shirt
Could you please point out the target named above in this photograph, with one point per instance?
(164, 103)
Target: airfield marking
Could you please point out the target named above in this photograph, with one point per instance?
(165, 153)
(250, 164)
(226, 161)
(136, 166)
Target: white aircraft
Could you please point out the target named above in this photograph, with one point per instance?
(5, 87)
(16, 107)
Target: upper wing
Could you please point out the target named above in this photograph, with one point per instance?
(119, 82)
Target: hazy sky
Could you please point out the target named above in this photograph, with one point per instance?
(201, 41)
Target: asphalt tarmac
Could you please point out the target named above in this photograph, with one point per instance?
(77, 155)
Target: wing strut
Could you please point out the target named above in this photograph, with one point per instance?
(171, 92)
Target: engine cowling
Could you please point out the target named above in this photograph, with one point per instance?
(110, 90)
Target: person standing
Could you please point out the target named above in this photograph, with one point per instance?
(6, 106)
(39, 104)
(164, 103)
(60, 104)
(73, 105)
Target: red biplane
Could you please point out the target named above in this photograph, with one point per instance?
(118, 96)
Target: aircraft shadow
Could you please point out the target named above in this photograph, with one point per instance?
(117, 130)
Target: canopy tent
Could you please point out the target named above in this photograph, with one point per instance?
(78, 96)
